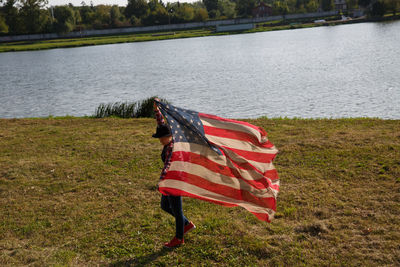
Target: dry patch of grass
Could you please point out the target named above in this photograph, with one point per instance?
(81, 191)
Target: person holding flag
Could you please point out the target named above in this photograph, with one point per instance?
(219, 160)
(170, 203)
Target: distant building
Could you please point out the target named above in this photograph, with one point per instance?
(262, 10)
(340, 5)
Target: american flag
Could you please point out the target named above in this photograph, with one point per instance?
(219, 160)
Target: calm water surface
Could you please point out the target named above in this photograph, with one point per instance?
(331, 72)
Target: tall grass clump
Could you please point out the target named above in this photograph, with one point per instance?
(138, 109)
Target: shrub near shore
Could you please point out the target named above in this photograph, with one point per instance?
(82, 191)
(138, 109)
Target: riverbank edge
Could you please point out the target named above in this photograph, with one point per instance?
(68, 117)
(157, 36)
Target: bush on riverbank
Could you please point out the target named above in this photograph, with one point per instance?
(138, 109)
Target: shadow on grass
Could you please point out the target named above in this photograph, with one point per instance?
(143, 260)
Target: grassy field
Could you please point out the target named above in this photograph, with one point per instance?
(82, 191)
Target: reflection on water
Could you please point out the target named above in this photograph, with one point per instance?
(341, 71)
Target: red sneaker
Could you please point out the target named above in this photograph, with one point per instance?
(189, 227)
(175, 242)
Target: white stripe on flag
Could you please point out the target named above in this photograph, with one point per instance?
(218, 178)
(242, 145)
(233, 126)
(205, 151)
(195, 190)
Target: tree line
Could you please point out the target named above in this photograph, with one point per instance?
(35, 16)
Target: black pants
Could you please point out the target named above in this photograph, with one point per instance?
(173, 205)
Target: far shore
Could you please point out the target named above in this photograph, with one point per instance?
(154, 36)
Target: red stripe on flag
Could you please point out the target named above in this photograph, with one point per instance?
(238, 135)
(170, 191)
(225, 170)
(271, 174)
(254, 156)
(259, 129)
(177, 192)
(243, 195)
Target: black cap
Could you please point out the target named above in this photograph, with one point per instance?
(162, 131)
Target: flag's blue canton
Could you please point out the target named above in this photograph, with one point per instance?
(185, 125)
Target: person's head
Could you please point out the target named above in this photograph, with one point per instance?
(165, 140)
(163, 134)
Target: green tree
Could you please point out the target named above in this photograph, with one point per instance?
(64, 19)
(153, 4)
(392, 5)
(352, 4)
(280, 8)
(291, 5)
(77, 16)
(214, 13)
(184, 13)
(244, 8)
(301, 9)
(198, 4)
(312, 6)
(200, 14)
(12, 17)
(300, 3)
(46, 21)
(327, 5)
(137, 8)
(3, 25)
(377, 9)
(116, 16)
(135, 21)
(227, 8)
(33, 19)
(158, 15)
(102, 16)
(364, 3)
(87, 14)
(211, 4)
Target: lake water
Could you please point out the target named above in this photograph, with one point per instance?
(330, 72)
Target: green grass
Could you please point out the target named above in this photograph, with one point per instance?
(154, 36)
(82, 191)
